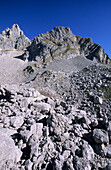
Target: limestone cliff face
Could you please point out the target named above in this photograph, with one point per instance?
(61, 42)
(92, 51)
(13, 38)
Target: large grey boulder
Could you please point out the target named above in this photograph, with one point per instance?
(108, 167)
(42, 107)
(17, 121)
(81, 163)
(100, 136)
(9, 153)
(107, 151)
(87, 151)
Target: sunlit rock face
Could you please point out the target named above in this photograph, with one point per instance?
(60, 42)
(13, 38)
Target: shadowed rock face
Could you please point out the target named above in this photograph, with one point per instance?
(61, 42)
(13, 39)
(93, 51)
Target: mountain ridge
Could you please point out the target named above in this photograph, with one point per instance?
(60, 42)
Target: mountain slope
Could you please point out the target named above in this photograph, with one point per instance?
(62, 43)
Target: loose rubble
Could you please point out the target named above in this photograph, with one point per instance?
(47, 132)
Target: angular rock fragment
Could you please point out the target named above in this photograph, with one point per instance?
(87, 151)
(9, 152)
(81, 163)
(100, 136)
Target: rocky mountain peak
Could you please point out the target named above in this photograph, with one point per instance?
(15, 26)
(61, 28)
(13, 39)
(61, 33)
(14, 32)
(60, 42)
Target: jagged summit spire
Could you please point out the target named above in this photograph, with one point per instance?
(61, 32)
(13, 39)
(14, 32)
(16, 27)
(67, 29)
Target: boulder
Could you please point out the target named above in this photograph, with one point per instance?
(9, 152)
(28, 164)
(100, 136)
(42, 107)
(81, 163)
(87, 151)
(17, 121)
(107, 151)
(98, 100)
(39, 130)
(108, 167)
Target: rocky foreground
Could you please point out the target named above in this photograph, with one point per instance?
(64, 124)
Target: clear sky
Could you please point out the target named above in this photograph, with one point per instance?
(87, 18)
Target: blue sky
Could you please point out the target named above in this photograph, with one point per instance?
(87, 18)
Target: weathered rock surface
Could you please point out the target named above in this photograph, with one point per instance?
(13, 38)
(9, 153)
(68, 130)
(100, 136)
(60, 42)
